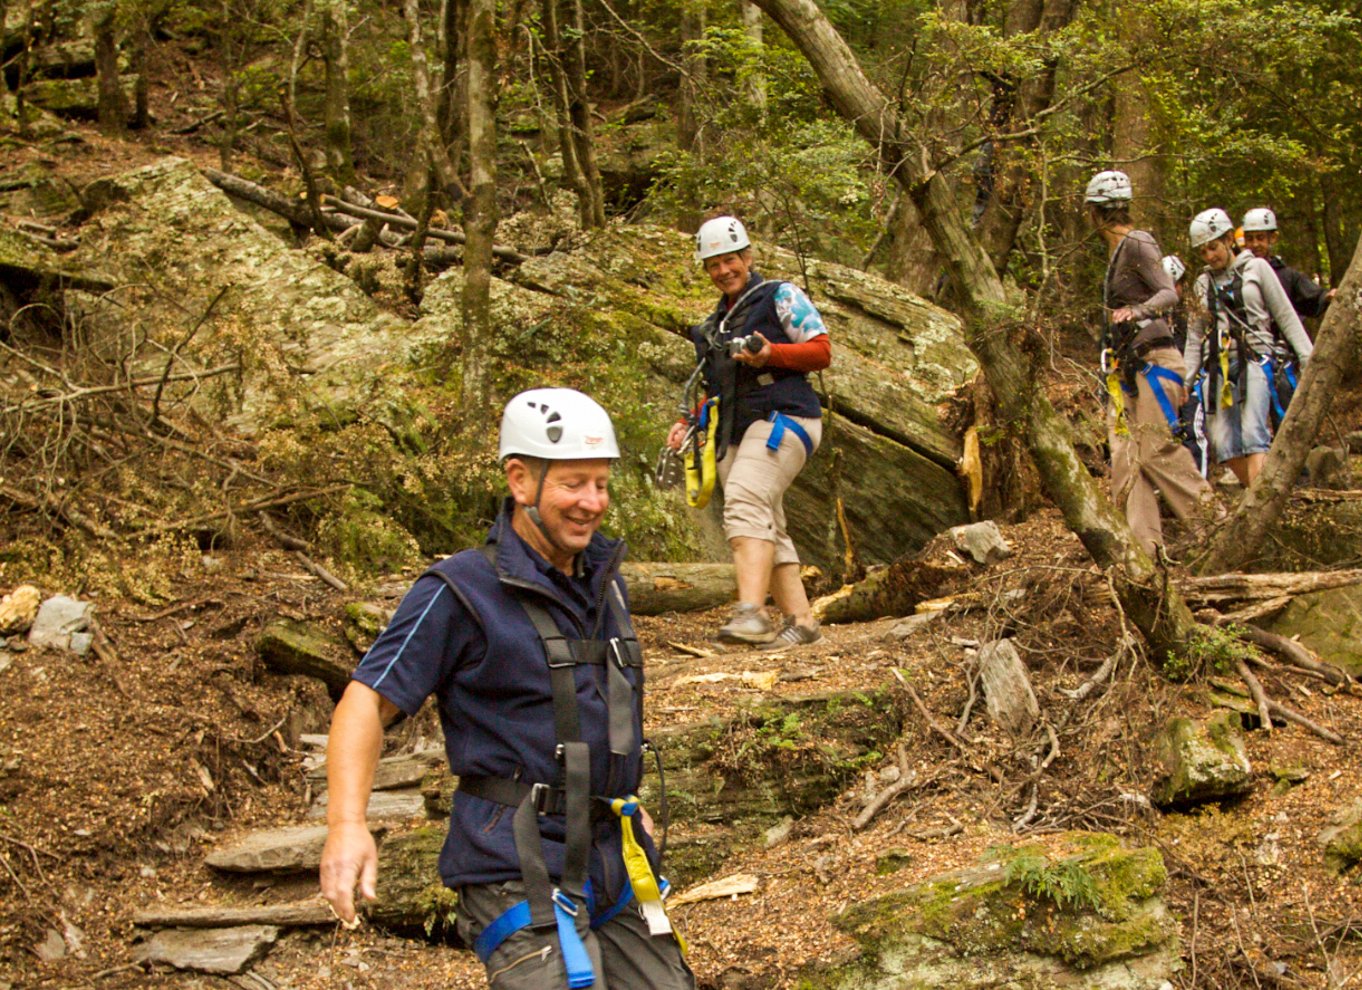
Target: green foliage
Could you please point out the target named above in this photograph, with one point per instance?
(1216, 649)
(1066, 883)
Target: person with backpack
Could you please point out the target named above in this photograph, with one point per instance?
(1143, 370)
(527, 646)
(1307, 298)
(1230, 343)
(755, 351)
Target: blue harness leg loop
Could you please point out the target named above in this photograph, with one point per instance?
(1265, 362)
(575, 959)
(779, 424)
(1155, 376)
(502, 927)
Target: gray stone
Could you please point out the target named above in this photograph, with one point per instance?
(280, 850)
(52, 948)
(5, 661)
(384, 806)
(982, 541)
(1007, 689)
(1202, 761)
(1328, 622)
(989, 928)
(393, 772)
(81, 642)
(223, 951)
(778, 833)
(1354, 441)
(1328, 468)
(1342, 840)
(57, 619)
(913, 624)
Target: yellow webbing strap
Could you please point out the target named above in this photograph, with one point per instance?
(641, 878)
(699, 459)
(1226, 386)
(1118, 401)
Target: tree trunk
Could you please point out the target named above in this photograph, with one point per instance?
(655, 588)
(453, 102)
(335, 28)
(1150, 603)
(1133, 147)
(1013, 176)
(751, 26)
(579, 110)
(1333, 362)
(113, 105)
(556, 59)
(693, 81)
(905, 250)
(436, 156)
(480, 209)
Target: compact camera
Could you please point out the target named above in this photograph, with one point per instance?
(752, 343)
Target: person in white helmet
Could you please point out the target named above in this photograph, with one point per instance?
(527, 645)
(1230, 343)
(1307, 298)
(757, 348)
(1143, 371)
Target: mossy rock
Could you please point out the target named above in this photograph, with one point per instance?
(788, 756)
(1202, 762)
(1085, 915)
(363, 622)
(291, 647)
(411, 897)
(1342, 840)
(1328, 622)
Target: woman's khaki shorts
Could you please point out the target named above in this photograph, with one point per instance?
(754, 480)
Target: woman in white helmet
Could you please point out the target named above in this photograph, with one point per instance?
(756, 349)
(1230, 343)
(1143, 370)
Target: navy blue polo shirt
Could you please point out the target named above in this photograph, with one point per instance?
(479, 654)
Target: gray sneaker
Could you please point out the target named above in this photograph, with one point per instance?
(793, 634)
(747, 624)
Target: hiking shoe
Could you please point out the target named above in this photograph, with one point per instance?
(747, 624)
(793, 634)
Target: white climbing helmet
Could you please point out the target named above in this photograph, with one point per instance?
(1173, 265)
(1108, 187)
(557, 424)
(1209, 225)
(722, 235)
(1260, 219)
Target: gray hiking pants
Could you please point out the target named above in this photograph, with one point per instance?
(623, 954)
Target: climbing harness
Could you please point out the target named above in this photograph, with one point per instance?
(555, 908)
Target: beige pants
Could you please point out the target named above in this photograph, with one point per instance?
(754, 480)
(1150, 460)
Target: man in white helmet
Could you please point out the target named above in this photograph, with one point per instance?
(1143, 370)
(757, 349)
(527, 645)
(1307, 298)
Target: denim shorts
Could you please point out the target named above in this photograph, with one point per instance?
(1241, 430)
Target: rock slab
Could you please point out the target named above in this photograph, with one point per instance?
(222, 951)
(57, 619)
(1202, 761)
(1342, 840)
(983, 542)
(1007, 689)
(279, 850)
(1328, 622)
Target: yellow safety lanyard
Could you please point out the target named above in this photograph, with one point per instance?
(641, 877)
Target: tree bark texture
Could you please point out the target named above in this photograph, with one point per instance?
(335, 28)
(1149, 601)
(655, 588)
(752, 27)
(555, 58)
(453, 102)
(433, 150)
(1334, 361)
(1134, 146)
(579, 112)
(113, 105)
(480, 209)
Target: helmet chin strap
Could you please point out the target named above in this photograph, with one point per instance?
(532, 511)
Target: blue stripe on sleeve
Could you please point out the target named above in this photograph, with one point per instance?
(416, 625)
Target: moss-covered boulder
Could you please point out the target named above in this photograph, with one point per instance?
(1085, 913)
(1201, 761)
(789, 756)
(1330, 623)
(411, 896)
(288, 646)
(1342, 840)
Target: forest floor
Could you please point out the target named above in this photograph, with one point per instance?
(118, 772)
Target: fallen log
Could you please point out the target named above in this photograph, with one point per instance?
(893, 590)
(655, 588)
(1244, 587)
(296, 914)
(402, 222)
